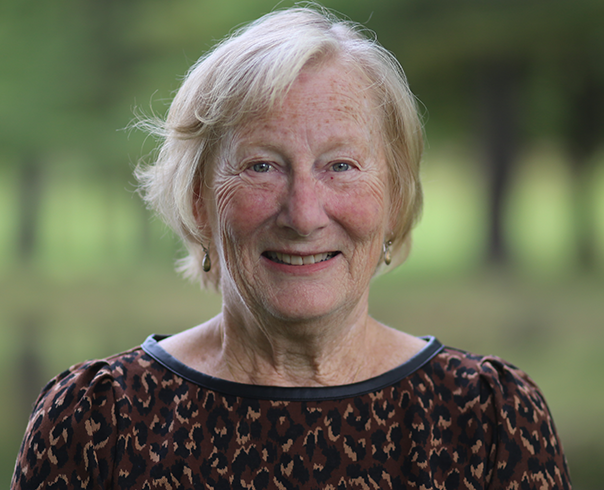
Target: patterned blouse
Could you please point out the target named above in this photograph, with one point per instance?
(445, 419)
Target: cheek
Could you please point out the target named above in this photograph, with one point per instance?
(240, 210)
(362, 210)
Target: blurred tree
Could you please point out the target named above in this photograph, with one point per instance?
(584, 133)
(31, 91)
(73, 69)
(30, 182)
(474, 62)
(66, 68)
(499, 102)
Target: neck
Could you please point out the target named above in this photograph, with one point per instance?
(317, 352)
(325, 352)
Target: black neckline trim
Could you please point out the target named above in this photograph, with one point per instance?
(286, 393)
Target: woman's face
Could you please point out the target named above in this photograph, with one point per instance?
(300, 204)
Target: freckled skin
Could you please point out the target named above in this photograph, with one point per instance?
(301, 204)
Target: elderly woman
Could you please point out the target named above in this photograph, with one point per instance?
(289, 166)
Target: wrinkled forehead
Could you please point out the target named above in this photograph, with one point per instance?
(332, 94)
(342, 84)
(327, 95)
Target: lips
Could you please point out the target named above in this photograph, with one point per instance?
(290, 259)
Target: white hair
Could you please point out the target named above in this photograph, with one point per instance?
(243, 77)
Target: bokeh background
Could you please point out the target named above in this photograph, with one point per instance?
(509, 256)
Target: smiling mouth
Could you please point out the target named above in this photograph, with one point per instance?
(288, 259)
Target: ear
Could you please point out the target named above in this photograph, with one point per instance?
(198, 206)
(200, 211)
(394, 206)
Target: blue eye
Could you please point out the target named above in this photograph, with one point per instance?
(340, 167)
(261, 167)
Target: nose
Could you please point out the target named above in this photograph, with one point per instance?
(303, 209)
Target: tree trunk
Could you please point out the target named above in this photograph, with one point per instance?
(30, 193)
(498, 98)
(584, 136)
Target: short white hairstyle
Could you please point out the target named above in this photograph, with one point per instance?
(243, 77)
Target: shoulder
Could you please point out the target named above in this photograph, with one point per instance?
(88, 387)
(94, 378)
(519, 428)
(75, 422)
(464, 369)
(496, 387)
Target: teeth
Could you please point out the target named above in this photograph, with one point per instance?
(299, 259)
(308, 259)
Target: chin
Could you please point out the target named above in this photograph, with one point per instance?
(305, 305)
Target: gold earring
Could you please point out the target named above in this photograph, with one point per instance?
(387, 252)
(206, 262)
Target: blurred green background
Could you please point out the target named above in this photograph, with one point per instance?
(509, 256)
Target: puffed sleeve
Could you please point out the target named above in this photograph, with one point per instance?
(526, 453)
(70, 438)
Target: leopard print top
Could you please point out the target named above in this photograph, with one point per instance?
(142, 420)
